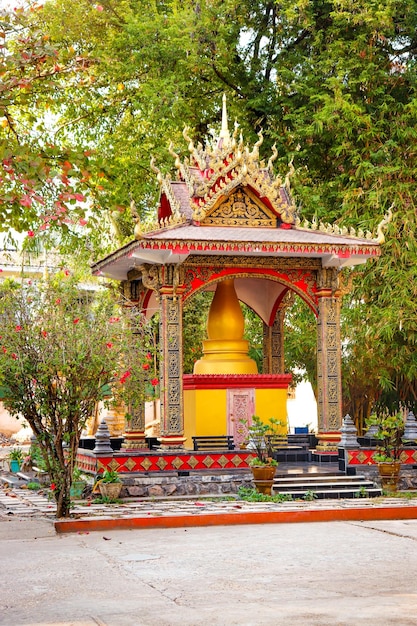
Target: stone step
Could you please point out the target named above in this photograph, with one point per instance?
(292, 454)
(372, 492)
(329, 486)
(322, 478)
(324, 457)
(325, 486)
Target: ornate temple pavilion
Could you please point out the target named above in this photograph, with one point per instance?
(228, 224)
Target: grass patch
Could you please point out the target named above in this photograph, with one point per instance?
(252, 495)
(106, 500)
(407, 495)
(33, 486)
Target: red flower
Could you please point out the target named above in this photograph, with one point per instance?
(52, 486)
(18, 328)
(66, 272)
(58, 301)
(126, 375)
(44, 333)
(109, 345)
(154, 382)
(14, 356)
(112, 320)
(77, 319)
(4, 350)
(31, 233)
(145, 366)
(149, 356)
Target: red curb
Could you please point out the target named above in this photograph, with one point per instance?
(229, 519)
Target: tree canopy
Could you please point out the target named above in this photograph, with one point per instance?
(91, 90)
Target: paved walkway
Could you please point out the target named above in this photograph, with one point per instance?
(327, 574)
(154, 513)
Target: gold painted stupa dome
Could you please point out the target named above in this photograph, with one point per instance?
(225, 350)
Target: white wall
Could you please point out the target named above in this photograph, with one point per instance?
(302, 411)
(11, 425)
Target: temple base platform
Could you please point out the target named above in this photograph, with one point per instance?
(142, 461)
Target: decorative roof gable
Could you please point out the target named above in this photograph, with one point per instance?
(214, 175)
(241, 208)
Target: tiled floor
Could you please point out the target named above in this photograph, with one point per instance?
(24, 502)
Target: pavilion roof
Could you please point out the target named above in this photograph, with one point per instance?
(226, 201)
(175, 244)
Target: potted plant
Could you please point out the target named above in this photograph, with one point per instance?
(16, 457)
(389, 430)
(263, 465)
(110, 484)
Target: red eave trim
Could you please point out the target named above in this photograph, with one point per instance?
(184, 247)
(236, 381)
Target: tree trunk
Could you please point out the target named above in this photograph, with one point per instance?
(63, 501)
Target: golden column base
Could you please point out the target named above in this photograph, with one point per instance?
(135, 440)
(173, 443)
(328, 442)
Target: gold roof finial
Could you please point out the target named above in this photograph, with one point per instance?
(156, 170)
(380, 238)
(137, 231)
(224, 133)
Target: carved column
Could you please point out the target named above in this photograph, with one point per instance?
(134, 290)
(329, 369)
(172, 410)
(273, 339)
(273, 345)
(134, 436)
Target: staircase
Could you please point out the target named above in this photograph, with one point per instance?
(323, 486)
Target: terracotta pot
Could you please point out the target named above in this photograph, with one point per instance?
(263, 477)
(110, 490)
(389, 472)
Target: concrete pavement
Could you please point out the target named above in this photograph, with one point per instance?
(188, 572)
(317, 574)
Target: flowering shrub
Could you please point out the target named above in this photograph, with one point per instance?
(59, 349)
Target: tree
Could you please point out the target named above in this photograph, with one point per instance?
(59, 348)
(44, 177)
(333, 84)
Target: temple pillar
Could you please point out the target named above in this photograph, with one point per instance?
(273, 338)
(329, 368)
(134, 436)
(134, 290)
(171, 379)
(273, 345)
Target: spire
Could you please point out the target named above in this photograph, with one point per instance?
(224, 133)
